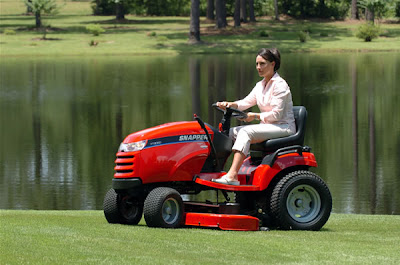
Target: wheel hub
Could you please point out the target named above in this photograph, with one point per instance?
(303, 203)
(298, 203)
(170, 210)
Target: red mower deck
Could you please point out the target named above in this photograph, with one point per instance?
(222, 221)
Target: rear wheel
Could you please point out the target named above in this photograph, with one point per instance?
(301, 201)
(122, 209)
(163, 207)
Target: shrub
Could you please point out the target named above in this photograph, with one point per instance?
(9, 32)
(161, 40)
(302, 36)
(93, 43)
(308, 29)
(96, 29)
(264, 34)
(367, 31)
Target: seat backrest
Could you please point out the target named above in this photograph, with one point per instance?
(300, 116)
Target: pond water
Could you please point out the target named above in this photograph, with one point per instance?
(62, 120)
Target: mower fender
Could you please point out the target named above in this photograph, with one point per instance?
(265, 173)
(184, 168)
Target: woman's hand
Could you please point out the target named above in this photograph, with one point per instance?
(251, 116)
(225, 104)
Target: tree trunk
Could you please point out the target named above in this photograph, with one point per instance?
(251, 11)
(38, 19)
(29, 8)
(243, 11)
(36, 124)
(369, 15)
(219, 12)
(372, 148)
(194, 35)
(236, 15)
(354, 9)
(276, 10)
(210, 9)
(224, 21)
(120, 11)
(355, 177)
(97, 11)
(211, 89)
(220, 80)
(194, 72)
(321, 8)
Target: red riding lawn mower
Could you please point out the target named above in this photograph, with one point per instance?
(155, 166)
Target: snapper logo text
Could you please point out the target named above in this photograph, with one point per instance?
(193, 137)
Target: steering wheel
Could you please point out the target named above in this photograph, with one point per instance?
(238, 114)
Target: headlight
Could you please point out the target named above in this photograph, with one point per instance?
(131, 147)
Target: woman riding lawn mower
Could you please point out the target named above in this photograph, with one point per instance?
(156, 166)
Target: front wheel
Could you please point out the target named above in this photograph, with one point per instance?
(122, 209)
(163, 207)
(301, 201)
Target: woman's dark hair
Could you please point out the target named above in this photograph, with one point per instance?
(271, 55)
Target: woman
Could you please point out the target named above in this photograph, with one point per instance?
(273, 98)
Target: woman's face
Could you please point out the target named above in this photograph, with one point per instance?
(264, 67)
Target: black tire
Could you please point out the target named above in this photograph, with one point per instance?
(301, 201)
(163, 207)
(122, 209)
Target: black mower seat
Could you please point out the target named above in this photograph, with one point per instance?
(300, 116)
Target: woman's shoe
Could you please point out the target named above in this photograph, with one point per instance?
(223, 180)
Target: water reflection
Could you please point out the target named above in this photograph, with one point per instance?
(62, 120)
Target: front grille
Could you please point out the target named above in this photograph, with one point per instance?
(125, 166)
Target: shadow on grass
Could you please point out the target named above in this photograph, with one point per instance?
(138, 21)
(210, 47)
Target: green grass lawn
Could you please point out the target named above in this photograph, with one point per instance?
(169, 35)
(85, 237)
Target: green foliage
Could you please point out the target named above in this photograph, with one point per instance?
(161, 40)
(93, 43)
(95, 29)
(43, 6)
(69, 28)
(143, 7)
(336, 9)
(108, 7)
(9, 32)
(379, 7)
(298, 8)
(368, 31)
(397, 8)
(263, 34)
(40, 7)
(303, 36)
(152, 34)
(167, 7)
(264, 8)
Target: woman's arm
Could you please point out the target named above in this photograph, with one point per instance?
(280, 96)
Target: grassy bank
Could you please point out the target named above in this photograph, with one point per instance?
(67, 34)
(84, 237)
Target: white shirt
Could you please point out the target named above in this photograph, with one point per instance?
(274, 100)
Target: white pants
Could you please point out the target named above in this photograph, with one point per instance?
(256, 133)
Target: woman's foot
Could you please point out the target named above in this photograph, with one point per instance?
(227, 181)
